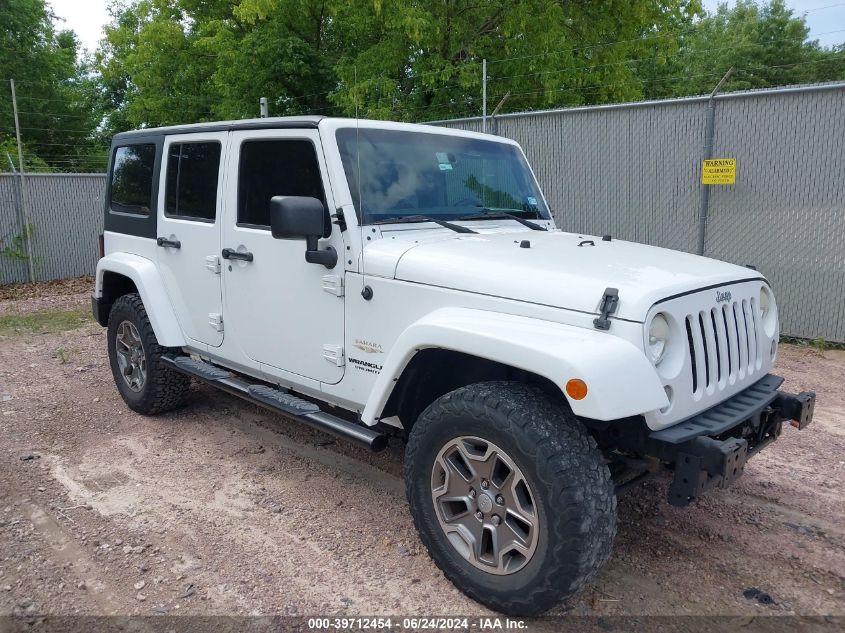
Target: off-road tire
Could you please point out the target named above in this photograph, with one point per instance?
(562, 465)
(164, 389)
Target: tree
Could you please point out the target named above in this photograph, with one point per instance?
(53, 91)
(766, 44)
(166, 61)
(420, 60)
(172, 61)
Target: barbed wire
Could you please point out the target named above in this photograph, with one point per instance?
(647, 81)
(393, 102)
(678, 55)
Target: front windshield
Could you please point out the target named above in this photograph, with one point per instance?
(445, 177)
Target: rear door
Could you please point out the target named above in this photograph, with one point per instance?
(190, 201)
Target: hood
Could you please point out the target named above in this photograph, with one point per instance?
(554, 270)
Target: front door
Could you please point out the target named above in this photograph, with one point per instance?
(190, 201)
(276, 307)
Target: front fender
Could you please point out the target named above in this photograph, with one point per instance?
(144, 275)
(621, 382)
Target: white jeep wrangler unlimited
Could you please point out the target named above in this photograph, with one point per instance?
(371, 278)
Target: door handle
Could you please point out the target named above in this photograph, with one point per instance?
(229, 253)
(166, 243)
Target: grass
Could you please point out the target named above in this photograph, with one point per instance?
(820, 344)
(47, 322)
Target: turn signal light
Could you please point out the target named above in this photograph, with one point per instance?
(576, 389)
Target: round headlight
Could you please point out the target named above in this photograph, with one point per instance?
(658, 337)
(768, 312)
(765, 302)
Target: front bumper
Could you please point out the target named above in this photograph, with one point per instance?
(710, 449)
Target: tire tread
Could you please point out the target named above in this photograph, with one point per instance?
(572, 475)
(166, 388)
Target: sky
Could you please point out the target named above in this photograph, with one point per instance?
(87, 18)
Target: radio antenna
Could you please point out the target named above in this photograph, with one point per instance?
(358, 173)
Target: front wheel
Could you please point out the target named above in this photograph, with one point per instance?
(510, 495)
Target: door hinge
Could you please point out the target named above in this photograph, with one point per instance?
(212, 262)
(333, 284)
(334, 354)
(215, 320)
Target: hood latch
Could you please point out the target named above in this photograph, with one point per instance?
(608, 305)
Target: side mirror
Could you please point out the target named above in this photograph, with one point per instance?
(298, 217)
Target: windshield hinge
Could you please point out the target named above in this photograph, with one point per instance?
(607, 306)
(339, 219)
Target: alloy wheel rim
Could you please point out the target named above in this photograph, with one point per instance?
(484, 505)
(131, 360)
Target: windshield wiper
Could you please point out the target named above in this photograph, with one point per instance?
(415, 219)
(490, 214)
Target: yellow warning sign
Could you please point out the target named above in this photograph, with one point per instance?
(718, 171)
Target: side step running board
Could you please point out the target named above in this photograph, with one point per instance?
(277, 400)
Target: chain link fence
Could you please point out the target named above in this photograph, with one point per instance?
(63, 219)
(634, 171)
(631, 170)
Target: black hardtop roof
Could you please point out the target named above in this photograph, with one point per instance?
(285, 122)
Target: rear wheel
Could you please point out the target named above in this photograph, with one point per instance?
(145, 383)
(510, 496)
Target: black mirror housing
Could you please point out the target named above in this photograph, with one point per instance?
(301, 216)
(297, 217)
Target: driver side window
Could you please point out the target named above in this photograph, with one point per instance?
(271, 168)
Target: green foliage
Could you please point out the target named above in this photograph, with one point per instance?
(9, 158)
(17, 246)
(819, 344)
(765, 43)
(53, 90)
(170, 61)
(164, 62)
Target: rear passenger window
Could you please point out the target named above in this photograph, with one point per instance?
(131, 189)
(192, 175)
(275, 168)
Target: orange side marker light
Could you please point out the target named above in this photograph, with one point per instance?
(576, 389)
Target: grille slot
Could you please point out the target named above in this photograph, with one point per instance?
(692, 354)
(722, 344)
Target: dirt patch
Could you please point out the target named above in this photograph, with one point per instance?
(62, 294)
(222, 508)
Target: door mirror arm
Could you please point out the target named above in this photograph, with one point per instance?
(313, 254)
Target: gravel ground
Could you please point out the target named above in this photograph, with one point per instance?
(223, 508)
(62, 294)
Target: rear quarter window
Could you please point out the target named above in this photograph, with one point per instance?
(131, 186)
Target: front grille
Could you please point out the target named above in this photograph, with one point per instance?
(723, 344)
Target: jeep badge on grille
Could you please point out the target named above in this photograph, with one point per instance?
(722, 296)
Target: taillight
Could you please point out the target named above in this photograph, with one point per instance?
(101, 245)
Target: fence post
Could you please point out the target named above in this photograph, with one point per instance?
(24, 214)
(498, 107)
(708, 151)
(483, 95)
